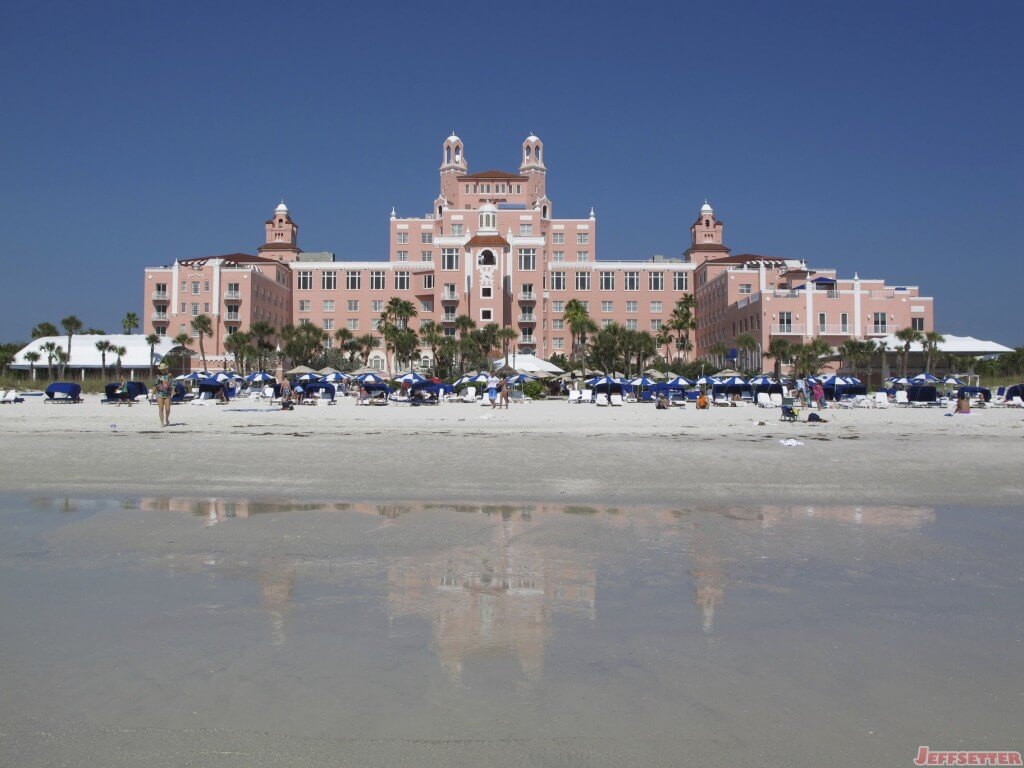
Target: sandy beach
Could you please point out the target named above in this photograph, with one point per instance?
(547, 451)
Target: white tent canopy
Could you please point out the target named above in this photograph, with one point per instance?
(84, 354)
(528, 363)
(955, 345)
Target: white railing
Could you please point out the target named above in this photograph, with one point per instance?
(232, 294)
(449, 296)
(527, 318)
(527, 296)
(790, 329)
(160, 317)
(527, 339)
(834, 330)
(232, 317)
(880, 330)
(448, 319)
(161, 296)
(831, 294)
(882, 294)
(786, 294)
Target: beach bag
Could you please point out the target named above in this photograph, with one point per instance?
(813, 417)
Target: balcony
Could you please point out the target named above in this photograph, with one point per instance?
(448, 318)
(880, 330)
(528, 340)
(449, 296)
(787, 294)
(789, 329)
(885, 294)
(160, 317)
(834, 330)
(527, 318)
(527, 296)
(232, 295)
(161, 296)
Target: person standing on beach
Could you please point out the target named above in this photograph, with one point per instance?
(503, 393)
(818, 393)
(492, 390)
(164, 389)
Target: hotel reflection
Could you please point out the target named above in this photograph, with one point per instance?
(500, 598)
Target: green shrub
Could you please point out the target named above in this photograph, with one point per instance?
(533, 389)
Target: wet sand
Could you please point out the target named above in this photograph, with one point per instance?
(548, 451)
(168, 632)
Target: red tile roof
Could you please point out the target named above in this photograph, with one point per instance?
(504, 175)
(488, 241)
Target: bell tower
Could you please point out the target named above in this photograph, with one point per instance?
(532, 167)
(282, 236)
(453, 165)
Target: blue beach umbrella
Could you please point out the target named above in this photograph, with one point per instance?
(643, 381)
(410, 378)
(762, 381)
(679, 382)
(733, 381)
(260, 377)
(706, 381)
(370, 378)
(954, 381)
(925, 378)
(335, 378)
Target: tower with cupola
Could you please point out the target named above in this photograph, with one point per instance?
(706, 236)
(282, 236)
(453, 165)
(532, 167)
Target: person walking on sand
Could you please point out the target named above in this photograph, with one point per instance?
(492, 390)
(818, 393)
(164, 389)
(503, 393)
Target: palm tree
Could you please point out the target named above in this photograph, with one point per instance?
(263, 333)
(42, 330)
(908, 336)
(393, 321)
(237, 344)
(343, 336)
(646, 348)
(682, 321)
(104, 346)
(506, 336)
(121, 352)
(665, 339)
(856, 353)
(50, 348)
(580, 324)
(202, 325)
(464, 324)
(808, 356)
(62, 358)
(779, 349)
(932, 339)
(718, 350)
(366, 343)
(130, 323)
(747, 343)
(71, 325)
(153, 339)
(32, 357)
(432, 335)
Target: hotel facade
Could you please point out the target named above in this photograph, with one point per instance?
(491, 248)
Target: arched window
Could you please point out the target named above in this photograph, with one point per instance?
(447, 154)
(458, 152)
(544, 211)
(486, 258)
(707, 222)
(527, 152)
(538, 154)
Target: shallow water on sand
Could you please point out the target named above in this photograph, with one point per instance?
(163, 631)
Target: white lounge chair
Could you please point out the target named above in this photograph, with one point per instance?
(615, 399)
(601, 399)
(901, 397)
(469, 396)
(881, 400)
(763, 400)
(776, 399)
(574, 396)
(587, 396)
(1016, 402)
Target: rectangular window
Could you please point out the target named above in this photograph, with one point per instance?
(450, 259)
(822, 322)
(558, 281)
(585, 305)
(426, 306)
(206, 308)
(304, 280)
(353, 281)
(558, 256)
(680, 281)
(558, 324)
(184, 307)
(558, 306)
(328, 305)
(402, 256)
(632, 281)
(401, 281)
(558, 238)
(528, 259)
(329, 280)
(457, 230)
(785, 322)
(558, 343)
(328, 324)
(526, 230)
(486, 292)
(353, 305)
(655, 307)
(745, 289)
(844, 323)
(656, 281)
(426, 256)
(428, 282)
(377, 280)
(917, 323)
(195, 288)
(607, 281)
(402, 238)
(880, 324)
(426, 238)
(582, 238)
(607, 306)
(195, 309)
(656, 325)
(233, 291)
(375, 324)
(486, 315)
(304, 305)
(206, 286)
(582, 256)
(632, 325)
(352, 324)
(606, 322)
(632, 307)
(582, 281)
(376, 305)
(184, 286)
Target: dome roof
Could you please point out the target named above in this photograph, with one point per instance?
(488, 207)
(281, 208)
(453, 137)
(706, 208)
(531, 138)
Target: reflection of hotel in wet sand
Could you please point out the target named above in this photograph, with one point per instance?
(889, 517)
(493, 600)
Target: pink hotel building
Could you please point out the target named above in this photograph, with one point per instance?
(491, 248)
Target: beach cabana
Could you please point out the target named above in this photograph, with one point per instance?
(706, 381)
(323, 390)
(63, 392)
(975, 393)
(210, 388)
(133, 390)
(732, 386)
(680, 382)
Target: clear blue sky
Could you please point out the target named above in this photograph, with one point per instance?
(871, 136)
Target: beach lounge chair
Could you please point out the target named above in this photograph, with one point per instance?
(11, 396)
(601, 399)
(881, 400)
(764, 400)
(469, 396)
(574, 396)
(587, 396)
(615, 399)
(901, 398)
(64, 392)
(1016, 402)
